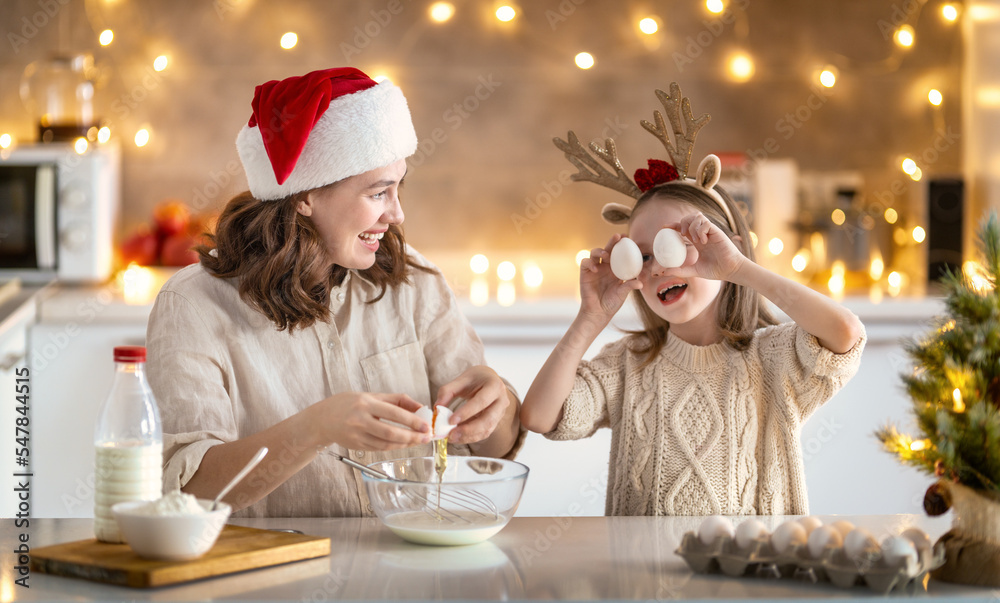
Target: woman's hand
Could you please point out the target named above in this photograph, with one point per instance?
(486, 403)
(712, 254)
(354, 420)
(601, 292)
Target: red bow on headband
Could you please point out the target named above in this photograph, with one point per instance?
(659, 172)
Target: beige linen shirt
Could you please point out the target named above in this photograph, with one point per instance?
(221, 371)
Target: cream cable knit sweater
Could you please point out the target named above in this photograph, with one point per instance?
(706, 429)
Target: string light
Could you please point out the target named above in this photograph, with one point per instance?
(479, 263)
(904, 36)
(506, 271)
(775, 246)
(289, 40)
(838, 217)
(876, 268)
(828, 78)
(104, 135)
(142, 137)
(935, 97)
(648, 26)
(918, 445)
(909, 166)
(506, 294)
(949, 12)
(917, 175)
(837, 280)
(6, 140)
(506, 13)
(584, 60)
(581, 255)
(956, 396)
(715, 6)
(918, 234)
(442, 11)
(106, 37)
(532, 275)
(741, 66)
(890, 215)
(81, 145)
(801, 260)
(895, 279)
(160, 62)
(479, 291)
(753, 239)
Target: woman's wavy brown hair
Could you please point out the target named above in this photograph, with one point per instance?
(281, 263)
(741, 310)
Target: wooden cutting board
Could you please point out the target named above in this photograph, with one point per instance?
(237, 549)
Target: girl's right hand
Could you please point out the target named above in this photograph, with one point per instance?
(354, 420)
(601, 292)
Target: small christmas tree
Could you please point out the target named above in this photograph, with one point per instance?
(955, 386)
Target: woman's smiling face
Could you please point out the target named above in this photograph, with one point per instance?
(352, 215)
(677, 300)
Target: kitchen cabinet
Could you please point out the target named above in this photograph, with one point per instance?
(17, 313)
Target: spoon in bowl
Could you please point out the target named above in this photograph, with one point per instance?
(243, 473)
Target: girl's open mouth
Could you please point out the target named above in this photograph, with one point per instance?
(672, 293)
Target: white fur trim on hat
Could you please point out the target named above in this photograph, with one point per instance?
(357, 133)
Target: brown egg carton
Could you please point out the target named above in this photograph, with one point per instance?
(761, 560)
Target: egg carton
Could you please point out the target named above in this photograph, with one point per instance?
(761, 560)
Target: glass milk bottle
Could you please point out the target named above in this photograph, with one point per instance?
(129, 443)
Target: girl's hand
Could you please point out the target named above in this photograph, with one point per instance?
(712, 254)
(601, 292)
(486, 402)
(354, 420)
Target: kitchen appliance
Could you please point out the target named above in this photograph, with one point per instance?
(58, 209)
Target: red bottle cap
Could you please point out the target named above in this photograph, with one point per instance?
(130, 353)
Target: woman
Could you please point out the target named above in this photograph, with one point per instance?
(309, 321)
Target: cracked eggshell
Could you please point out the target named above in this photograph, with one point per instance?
(669, 249)
(626, 259)
(441, 428)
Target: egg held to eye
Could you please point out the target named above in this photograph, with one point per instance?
(669, 249)
(626, 259)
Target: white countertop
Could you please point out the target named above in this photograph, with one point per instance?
(571, 558)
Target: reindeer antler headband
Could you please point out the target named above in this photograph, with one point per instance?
(685, 127)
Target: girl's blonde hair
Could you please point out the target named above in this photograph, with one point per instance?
(741, 310)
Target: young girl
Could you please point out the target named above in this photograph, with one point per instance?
(707, 401)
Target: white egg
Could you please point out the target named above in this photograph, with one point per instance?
(823, 537)
(669, 249)
(441, 427)
(843, 526)
(810, 523)
(859, 542)
(748, 531)
(897, 549)
(921, 541)
(713, 527)
(789, 534)
(626, 259)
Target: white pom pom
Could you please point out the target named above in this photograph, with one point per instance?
(669, 249)
(626, 259)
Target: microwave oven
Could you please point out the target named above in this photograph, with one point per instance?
(58, 210)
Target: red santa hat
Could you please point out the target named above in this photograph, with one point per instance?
(313, 130)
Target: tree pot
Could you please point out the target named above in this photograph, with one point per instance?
(972, 545)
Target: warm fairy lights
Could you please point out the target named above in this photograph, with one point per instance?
(741, 67)
(715, 6)
(949, 12)
(532, 275)
(909, 166)
(775, 246)
(584, 60)
(649, 26)
(506, 13)
(104, 135)
(876, 268)
(506, 271)
(917, 175)
(890, 215)
(919, 234)
(918, 445)
(828, 78)
(106, 37)
(479, 292)
(838, 217)
(289, 40)
(441, 11)
(142, 137)
(81, 145)
(904, 36)
(582, 255)
(160, 62)
(506, 294)
(479, 263)
(5, 141)
(957, 398)
(801, 260)
(935, 97)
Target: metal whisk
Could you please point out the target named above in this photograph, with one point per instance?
(470, 500)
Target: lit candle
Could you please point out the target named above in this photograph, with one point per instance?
(959, 403)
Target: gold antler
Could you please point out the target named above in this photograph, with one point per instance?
(674, 103)
(593, 171)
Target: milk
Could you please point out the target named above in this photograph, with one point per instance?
(461, 527)
(124, 473)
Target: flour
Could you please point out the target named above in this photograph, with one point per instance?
(175, 503)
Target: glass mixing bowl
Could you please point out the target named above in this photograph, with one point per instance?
(475, 499)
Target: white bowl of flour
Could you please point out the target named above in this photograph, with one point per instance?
(176, 527)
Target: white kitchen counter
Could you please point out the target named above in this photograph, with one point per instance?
(538, 558)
